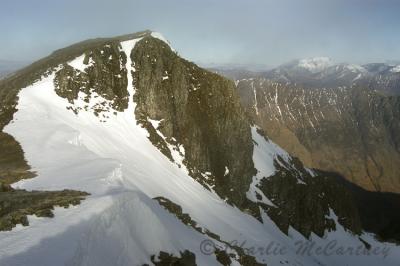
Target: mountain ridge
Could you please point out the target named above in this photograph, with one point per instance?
(130, 121)
(383, 77)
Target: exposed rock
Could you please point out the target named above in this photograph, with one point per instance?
(198, 110)
(306, 207)
(15, 205)
(223, 255)
(187, 258)
(105, 76)
(305, 198)
(351, 131)
(10, 86)
(13, 166)
(196, 114)
(378, 211)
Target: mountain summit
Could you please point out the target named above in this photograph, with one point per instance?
(315, 64)
(164, 166)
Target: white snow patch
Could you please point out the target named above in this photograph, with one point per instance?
(315, 64)
(255, 97)
(226, 171)
(310, 171)
(154, 123)
(263, 157)
(395, 69)
(357, 77)
(78, 64)
(356, 68)
(265, 154)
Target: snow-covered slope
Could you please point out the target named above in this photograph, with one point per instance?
(120, 223)
(395, 69)
(315, 64)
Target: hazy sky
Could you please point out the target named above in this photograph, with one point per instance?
(211, 31)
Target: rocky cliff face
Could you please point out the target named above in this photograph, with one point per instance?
(187, 111)
(197, 113)
(103, 74)
(352, 131)
(197, 110)
(198, 121)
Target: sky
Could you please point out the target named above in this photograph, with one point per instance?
(265, 32)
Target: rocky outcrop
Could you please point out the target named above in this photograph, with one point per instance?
(16, 205)
(351, 131)
(187, 258)
(193, 115)
(198, 110)
(307, 200)
(307, 207)
(104, 76)
(13, 166)
(196, 119)
(378, 211)
(10, 86)
(224, 256)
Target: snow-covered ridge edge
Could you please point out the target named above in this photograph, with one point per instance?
(66, 131)
(125, 183)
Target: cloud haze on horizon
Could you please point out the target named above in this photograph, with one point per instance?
(211, 31)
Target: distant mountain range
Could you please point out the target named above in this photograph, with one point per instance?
(322, 72)
(319, 110)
